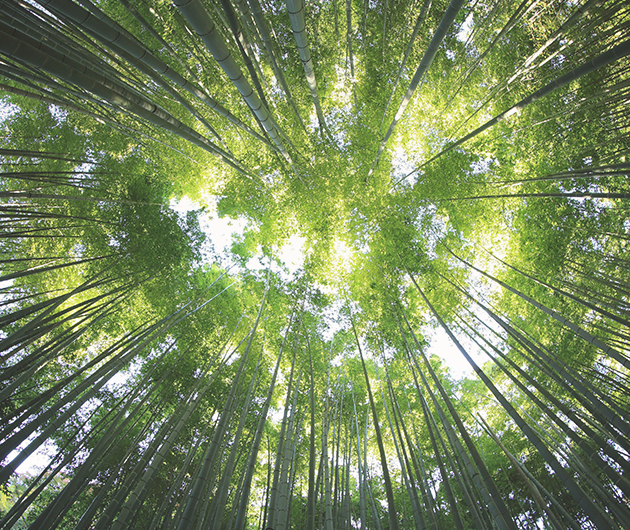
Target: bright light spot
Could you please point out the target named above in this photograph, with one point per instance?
(337, 361)
(442, 346)
(342, 259)
(57, 112)
(466, 29)
(401, 166)
(313, 121)
(290, 258)
(512, 112)
(222, 230)
(483, 165)
(36, 461)
(497, 243)
(342, 91)
(219, 230)
(332, 317)
(292, 253)
(118, 381)
(7, 110)
(276, 415)
(257, 264)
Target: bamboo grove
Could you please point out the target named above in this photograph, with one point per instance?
(454, 169)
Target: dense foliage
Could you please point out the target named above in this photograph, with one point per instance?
(457, 173)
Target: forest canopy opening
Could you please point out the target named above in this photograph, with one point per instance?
(273, 264)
